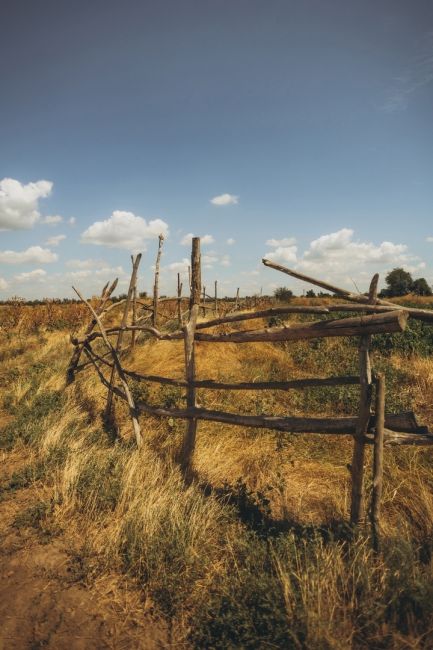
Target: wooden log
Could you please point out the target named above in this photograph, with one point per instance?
(357, 466)
(132, 283)
(425, 315)
(379, 436)
(156, 282)
(105, 295)
(393, 321)
(237, 299)
(127, 393)
(265, 313)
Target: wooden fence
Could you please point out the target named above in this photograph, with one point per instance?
(371, 425)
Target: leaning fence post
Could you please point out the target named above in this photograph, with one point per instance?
(188, 443)
(204, 301)
(135, 264)
(379, 435)
(134, 308)
(156, 283)
(357, 467)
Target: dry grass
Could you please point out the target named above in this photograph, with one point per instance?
(256, 554)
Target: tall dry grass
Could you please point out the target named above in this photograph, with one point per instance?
(256, 554)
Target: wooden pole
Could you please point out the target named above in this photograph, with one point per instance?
(357, 471)
(134, 308)
(237, 299)
(156, 282)
(179, 300)
(216, 297)
(105, 295)
(132, 283)
(204, 301)
(188, 444)
(379, 436)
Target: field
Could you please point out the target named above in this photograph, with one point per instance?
(103, 546)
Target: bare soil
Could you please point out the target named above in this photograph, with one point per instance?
(44, 600)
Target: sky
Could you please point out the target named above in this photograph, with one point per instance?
(297, 130)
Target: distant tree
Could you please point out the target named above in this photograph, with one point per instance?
(421, 287)
(310, 294)
(399, 282)
(283, 293)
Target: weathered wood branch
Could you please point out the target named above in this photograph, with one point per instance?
(116, 362)
(379, 436)
(156, 282)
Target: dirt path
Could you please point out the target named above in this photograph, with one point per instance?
(43, 601)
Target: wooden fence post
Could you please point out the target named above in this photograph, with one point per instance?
(188, 443)
(237, 299)
(179, 300)
(379, 435)
(135, 265)
(357, 471)
(134, 308)
(216, 297)
(156, 283)
(204, 299)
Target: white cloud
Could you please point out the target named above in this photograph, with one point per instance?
(72, 221)
(86, 264)
(3, 284)
(231, 241)
(106, 272)
(37, 274)
(225, 199)
(287, 241)
(19, 203)
(204, 240)
(179, 267)
(52, 220)
(124, 230)
(430, 239)
(225, 260)
(55, 241)
(33, 255)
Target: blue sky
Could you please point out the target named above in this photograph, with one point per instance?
(126, 119)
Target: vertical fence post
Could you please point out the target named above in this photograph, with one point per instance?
(216, 297)
(237, 299)
(179, 300)
(135, 265)
(204, 301)
(379, 435)
(188, 443)
(134, 308)
(156, 283)
(357, 471)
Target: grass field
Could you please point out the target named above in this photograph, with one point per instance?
(257, 553)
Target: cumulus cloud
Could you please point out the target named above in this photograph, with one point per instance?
(72, 221)
(52, 220)
(285, 250)
(86, 264)
(37, 274)
(124, 230)
(430, 239)
(3, 284)
(33, 255)
(19, 203)
(231, 241)
(204, 239)
(225, 199)
(179, 267)
(55, 241)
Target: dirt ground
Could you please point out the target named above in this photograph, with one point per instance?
(44, 602)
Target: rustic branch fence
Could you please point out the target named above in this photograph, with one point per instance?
(370, 426)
